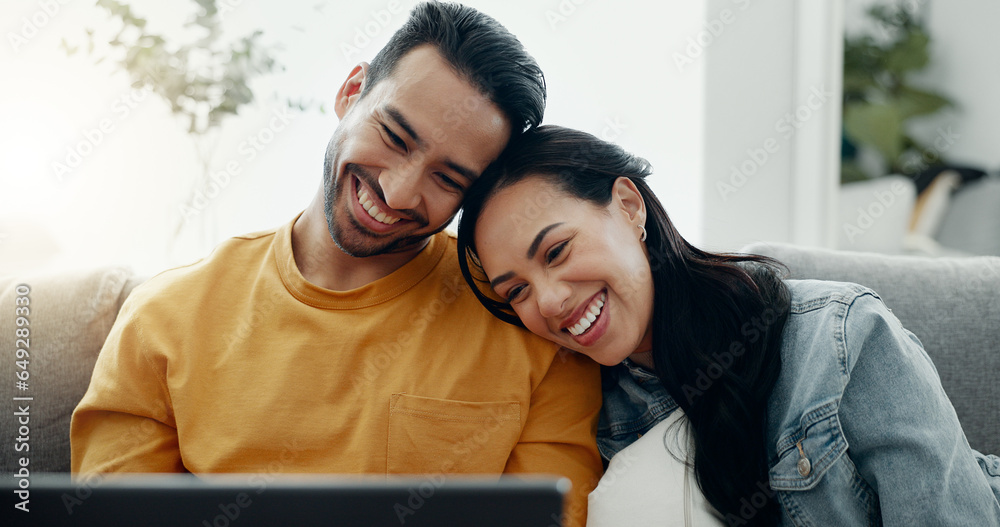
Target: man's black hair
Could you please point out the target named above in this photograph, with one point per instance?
(480, 50)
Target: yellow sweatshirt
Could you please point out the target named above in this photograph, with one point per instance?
(237, 364)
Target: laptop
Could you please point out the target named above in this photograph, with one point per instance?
(257, 500)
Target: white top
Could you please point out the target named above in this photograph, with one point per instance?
(646, 485)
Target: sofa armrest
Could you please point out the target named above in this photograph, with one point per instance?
(70, 316)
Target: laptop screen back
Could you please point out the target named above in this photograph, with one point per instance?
(244, 500)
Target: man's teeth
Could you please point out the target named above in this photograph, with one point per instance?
(373, 211)
(589, 317)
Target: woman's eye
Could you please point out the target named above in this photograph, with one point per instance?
(555, 252)
(514, 293)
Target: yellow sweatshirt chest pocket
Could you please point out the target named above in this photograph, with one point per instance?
(429, 435)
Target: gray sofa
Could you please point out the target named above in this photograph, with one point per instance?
(70, 314)
(952, 304)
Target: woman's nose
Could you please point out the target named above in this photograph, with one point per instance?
(552, 299)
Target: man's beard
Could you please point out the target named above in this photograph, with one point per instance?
(364, 243)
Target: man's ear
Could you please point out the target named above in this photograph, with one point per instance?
(350, 91)
(626, 197)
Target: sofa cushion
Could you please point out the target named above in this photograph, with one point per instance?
(874, 215)
(951, 304)
(70, 316)
(972, 222)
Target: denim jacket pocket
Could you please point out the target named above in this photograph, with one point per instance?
(447, 436)
(815, 480)
(806, 452)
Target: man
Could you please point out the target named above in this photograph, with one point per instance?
(346, 341)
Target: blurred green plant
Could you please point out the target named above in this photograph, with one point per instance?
(202, 80)
(202, 76)
(878, 101)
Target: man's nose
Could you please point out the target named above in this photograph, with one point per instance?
(401, 186)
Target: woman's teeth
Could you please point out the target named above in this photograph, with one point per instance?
(589, 317)
(373, 211)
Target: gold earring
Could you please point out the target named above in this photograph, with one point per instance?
(642, 237)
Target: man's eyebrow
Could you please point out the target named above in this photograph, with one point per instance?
(502, 278)
(404, 124)
(538, 239)
(465, 172)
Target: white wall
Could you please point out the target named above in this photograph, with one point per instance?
(772, 122)
(617, 69)
(608, 66)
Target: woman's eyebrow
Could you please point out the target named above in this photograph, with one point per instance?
(500, 279)
(531, 253)
(538, 239)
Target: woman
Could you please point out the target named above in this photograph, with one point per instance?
(565, 238)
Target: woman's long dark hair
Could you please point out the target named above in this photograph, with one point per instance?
(717, 318)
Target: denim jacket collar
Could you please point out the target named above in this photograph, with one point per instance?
(634, 402)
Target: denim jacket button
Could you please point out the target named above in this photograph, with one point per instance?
(804, 467)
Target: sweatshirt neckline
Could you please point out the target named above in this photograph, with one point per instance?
(377, 292)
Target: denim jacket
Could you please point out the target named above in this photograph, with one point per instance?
(880, 441)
